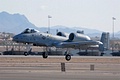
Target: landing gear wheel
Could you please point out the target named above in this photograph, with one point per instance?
(102, 54)
(25, 53)
(68, 57)
(45, 55)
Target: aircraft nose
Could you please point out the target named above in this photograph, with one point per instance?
(15, 38)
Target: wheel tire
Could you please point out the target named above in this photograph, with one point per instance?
(45, 55)
(68, 57)
(102, 54)
(25, 53)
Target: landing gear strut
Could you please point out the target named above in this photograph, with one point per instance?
(45, 55)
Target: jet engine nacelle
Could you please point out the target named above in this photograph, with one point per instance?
(62, 34)
(78, 37)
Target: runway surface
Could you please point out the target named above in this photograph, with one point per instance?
(79, 68)
(59, 76)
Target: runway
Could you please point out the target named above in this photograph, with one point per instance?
(37, 68)
(59, 76)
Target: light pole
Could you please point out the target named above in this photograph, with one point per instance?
(113, 19)
(49, 17)
(113, 25)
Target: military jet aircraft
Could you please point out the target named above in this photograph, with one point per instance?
(74, 40)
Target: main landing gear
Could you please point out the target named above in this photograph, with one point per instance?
(68, 57)
(45, 55)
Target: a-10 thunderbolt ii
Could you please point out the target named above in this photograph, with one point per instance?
(73, 40)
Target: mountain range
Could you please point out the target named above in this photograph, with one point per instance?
(16, 23)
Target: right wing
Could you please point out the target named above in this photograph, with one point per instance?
(77, 44)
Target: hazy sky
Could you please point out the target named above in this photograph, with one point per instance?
(94, 14)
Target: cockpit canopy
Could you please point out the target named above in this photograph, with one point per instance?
(28, 30)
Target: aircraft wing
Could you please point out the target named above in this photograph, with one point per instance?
(77, 44)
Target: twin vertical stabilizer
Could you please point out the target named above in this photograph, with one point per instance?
(105, 39)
